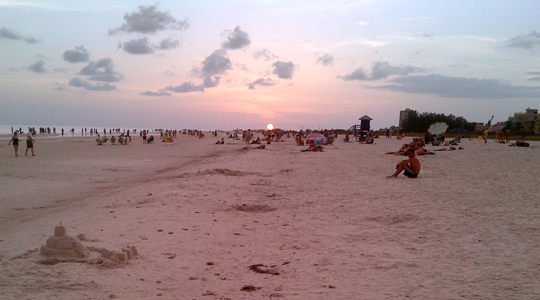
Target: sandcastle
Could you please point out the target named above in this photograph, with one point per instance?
(62, 245)
(63, 248)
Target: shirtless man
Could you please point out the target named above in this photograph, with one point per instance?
(410, 167)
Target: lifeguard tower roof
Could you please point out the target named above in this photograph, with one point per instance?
(365, 117)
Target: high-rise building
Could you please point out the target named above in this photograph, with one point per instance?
(530, 120)
(403, 115)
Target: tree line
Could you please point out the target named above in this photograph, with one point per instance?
(420, 122)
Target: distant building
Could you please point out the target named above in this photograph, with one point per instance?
(403, 115)
(530, 120)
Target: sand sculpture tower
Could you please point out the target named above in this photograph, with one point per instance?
(62, 245)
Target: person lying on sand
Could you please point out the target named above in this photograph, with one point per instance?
(421, 151)
(410, 167)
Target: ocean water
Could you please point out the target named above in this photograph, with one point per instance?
(5, 130)
(77, 130)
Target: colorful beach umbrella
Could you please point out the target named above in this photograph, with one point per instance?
(496, 127)
(459, 130)
(438, 128)
(315, 137)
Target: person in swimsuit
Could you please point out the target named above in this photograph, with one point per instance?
(410, 167)
(29, 144)
(15, 140)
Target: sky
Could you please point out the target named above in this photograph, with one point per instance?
(243, 64)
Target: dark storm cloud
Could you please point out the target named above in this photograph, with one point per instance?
(186, 87)
(262, 82)
(284, 70)
(101, 70)
(524, 41)
(38, 67)
(326, 60)
(158, 93)
(10, 34)
(137, 46)
(380, 70)
(265, 54)
(168, 43)
(148, 19)
(80, 54)
(236, 39)
(459, 87)
(77, 82)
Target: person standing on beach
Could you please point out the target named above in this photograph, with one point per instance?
(15, 140)
(410, 167)
(29, 144)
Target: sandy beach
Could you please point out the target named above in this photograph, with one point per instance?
(224, 222)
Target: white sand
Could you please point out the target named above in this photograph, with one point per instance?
(336, 227)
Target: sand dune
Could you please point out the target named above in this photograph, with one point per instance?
(222, 222)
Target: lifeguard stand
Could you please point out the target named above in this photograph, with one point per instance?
(364, 123)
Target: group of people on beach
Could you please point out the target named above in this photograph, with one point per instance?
(29, 143)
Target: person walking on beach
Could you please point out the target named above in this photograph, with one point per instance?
(15, 140)
(29, 144)
(410, 167)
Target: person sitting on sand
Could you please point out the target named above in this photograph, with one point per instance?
(222, 142)
(257, 141)
(99, 140)
(410, 167)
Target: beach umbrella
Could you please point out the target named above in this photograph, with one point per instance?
(459, 130)
(496, 127)
(315, 137)
(438, 128)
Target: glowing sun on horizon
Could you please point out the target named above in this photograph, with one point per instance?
(269, 126)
